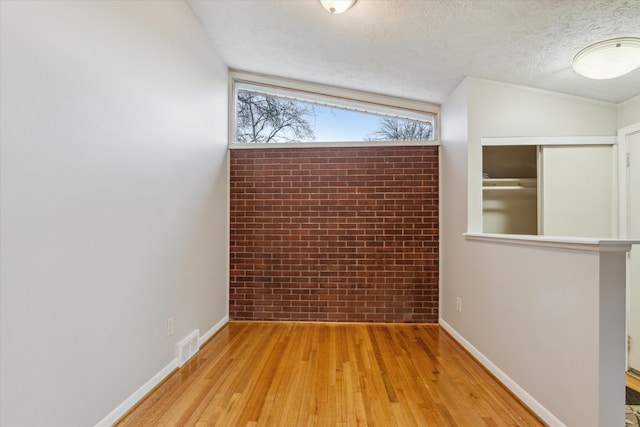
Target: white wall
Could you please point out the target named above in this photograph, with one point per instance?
(114, 201)
(504, 110)
(629, 112)
(532, 311)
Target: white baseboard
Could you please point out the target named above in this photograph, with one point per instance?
(205, 337)
(131, 401)
(515, 388)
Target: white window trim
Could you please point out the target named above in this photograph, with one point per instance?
(326, 94)
(334, 144)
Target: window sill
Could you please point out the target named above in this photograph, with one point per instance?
(575, 243)
(345, 144)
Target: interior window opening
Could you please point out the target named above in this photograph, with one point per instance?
(267, 115)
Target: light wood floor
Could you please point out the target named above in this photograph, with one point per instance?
(633, 382)
(305, 374)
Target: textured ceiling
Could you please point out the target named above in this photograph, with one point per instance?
(422, 49)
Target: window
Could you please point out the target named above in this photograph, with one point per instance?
(275, 114)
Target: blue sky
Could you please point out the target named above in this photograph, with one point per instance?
(333, 124)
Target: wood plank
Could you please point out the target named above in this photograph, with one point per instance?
(317, 374)
(633, 382)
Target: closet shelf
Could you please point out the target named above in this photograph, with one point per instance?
(521, 186)
(510, 188)
(504, 183)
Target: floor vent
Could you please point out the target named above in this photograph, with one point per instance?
(188, 347)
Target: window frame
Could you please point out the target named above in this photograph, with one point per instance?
(328, 95)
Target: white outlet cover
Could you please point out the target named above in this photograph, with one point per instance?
(171, 326)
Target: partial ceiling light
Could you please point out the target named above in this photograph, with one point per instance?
(608, 59)
(337, 6)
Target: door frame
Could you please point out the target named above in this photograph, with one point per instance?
(623, 220)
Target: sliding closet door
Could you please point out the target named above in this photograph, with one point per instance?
(633, 223)
(577, 191)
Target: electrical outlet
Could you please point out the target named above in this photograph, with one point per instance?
(171, 325)
(459, 305)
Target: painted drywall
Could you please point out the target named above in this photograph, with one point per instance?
(629, 112)
(533, 312)
(114, 201)
(505, 110)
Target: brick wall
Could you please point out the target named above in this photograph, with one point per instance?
(335, 234)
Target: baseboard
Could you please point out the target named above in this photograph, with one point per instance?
(132, 400)
(211, 332)
(514, 387)
(137, 395)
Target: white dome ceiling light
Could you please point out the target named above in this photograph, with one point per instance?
(608, 59)
(337, 6)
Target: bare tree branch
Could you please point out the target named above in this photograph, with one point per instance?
(264, 119)
(392, 129)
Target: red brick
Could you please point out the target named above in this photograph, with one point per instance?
(330, 234)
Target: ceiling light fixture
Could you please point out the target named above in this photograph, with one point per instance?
(608, 59)
(337, 6)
